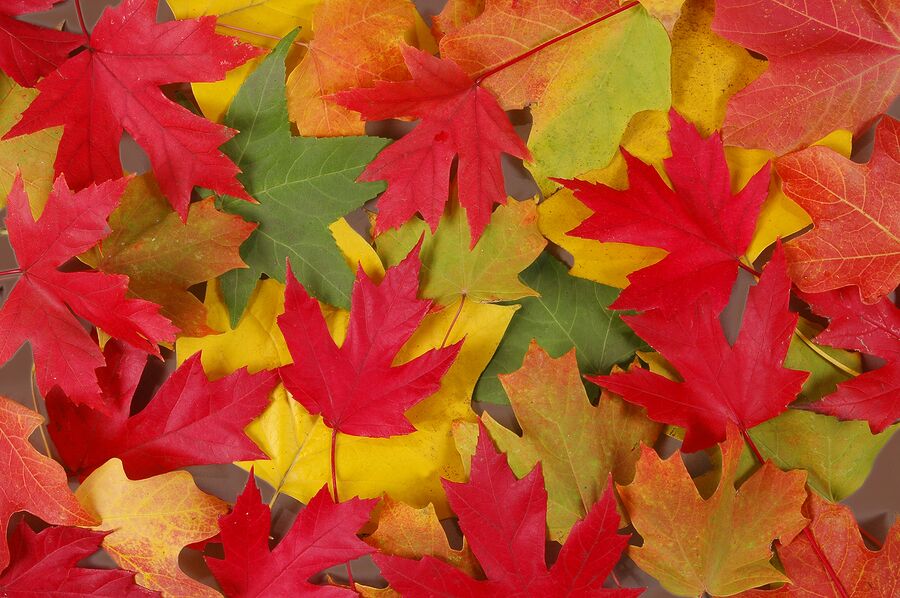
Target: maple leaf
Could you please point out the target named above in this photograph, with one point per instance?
(721, 544)
(164, 256)
(836, 455)
(487, 272)
(744, 384)
(563, 60)
(504, 520)
(113, 86)
(704, 227)
(303, 185)
(839, 62)
(578, 445)
(411, 533)
(457, 118)
(190, 421)
(37, 309)
(30, 156)
(323, 535)
(149, 522)
(31, 481)
(855, 571)
(856, 212)
(45, 564)
(356, 387)
(454, 15)
(373, 35)
(28, 52)
(872, 329)
(568, 312)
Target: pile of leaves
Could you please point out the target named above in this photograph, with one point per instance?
(690, 162)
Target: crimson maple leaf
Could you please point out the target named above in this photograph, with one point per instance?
(38, 308)
(323, 535)
(698, 221)
(457, 118)
(356, 387)
(833, 59)
(744, 383)
(874, 329)
(505, 523)
(114, 85)
(190, 421)
(28, 52)
(44, 564)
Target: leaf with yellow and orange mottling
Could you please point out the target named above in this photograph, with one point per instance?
(356, 44)
(667, 11)
(718, 542)
(413, 533)
(578, 444)
(149, 522)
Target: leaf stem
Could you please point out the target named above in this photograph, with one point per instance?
(84, 30)
(334, 493)
(34, 403)
(551, 41)
(12, 272)
(821, 353)
(749, 268)
(826, 564)
(453, 322)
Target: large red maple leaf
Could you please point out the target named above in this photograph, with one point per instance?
(834, 59)
(745, 384)
(38, 308)
(44, 564)
(856, 212)
(28, 52)
(831, 559)
(190, 421)
(700, 223)
(874, 329)
(323, 535)
(505, 523)
(31, 482)
(356, 387)
(114, 85)
(457, 118)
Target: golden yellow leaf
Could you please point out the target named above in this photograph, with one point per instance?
(149, 522)
(259, 22)
(372, 33)
(667, 11)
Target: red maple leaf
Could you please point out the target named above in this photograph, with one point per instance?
(873, 329)
(744, 383)
(457, 118)
(698, 221)
(38, 308)
(190, 421)
(833, 59)
(114, 85)
(505, 523)
(852, 570)
(44, 564)
(323, 535)
(356, 387)
(31, 482)
(28, 52)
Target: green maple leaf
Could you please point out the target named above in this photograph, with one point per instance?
(570, 312)
(303, 184)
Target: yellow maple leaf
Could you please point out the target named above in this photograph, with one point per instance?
(149, 522)
(259, 22)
